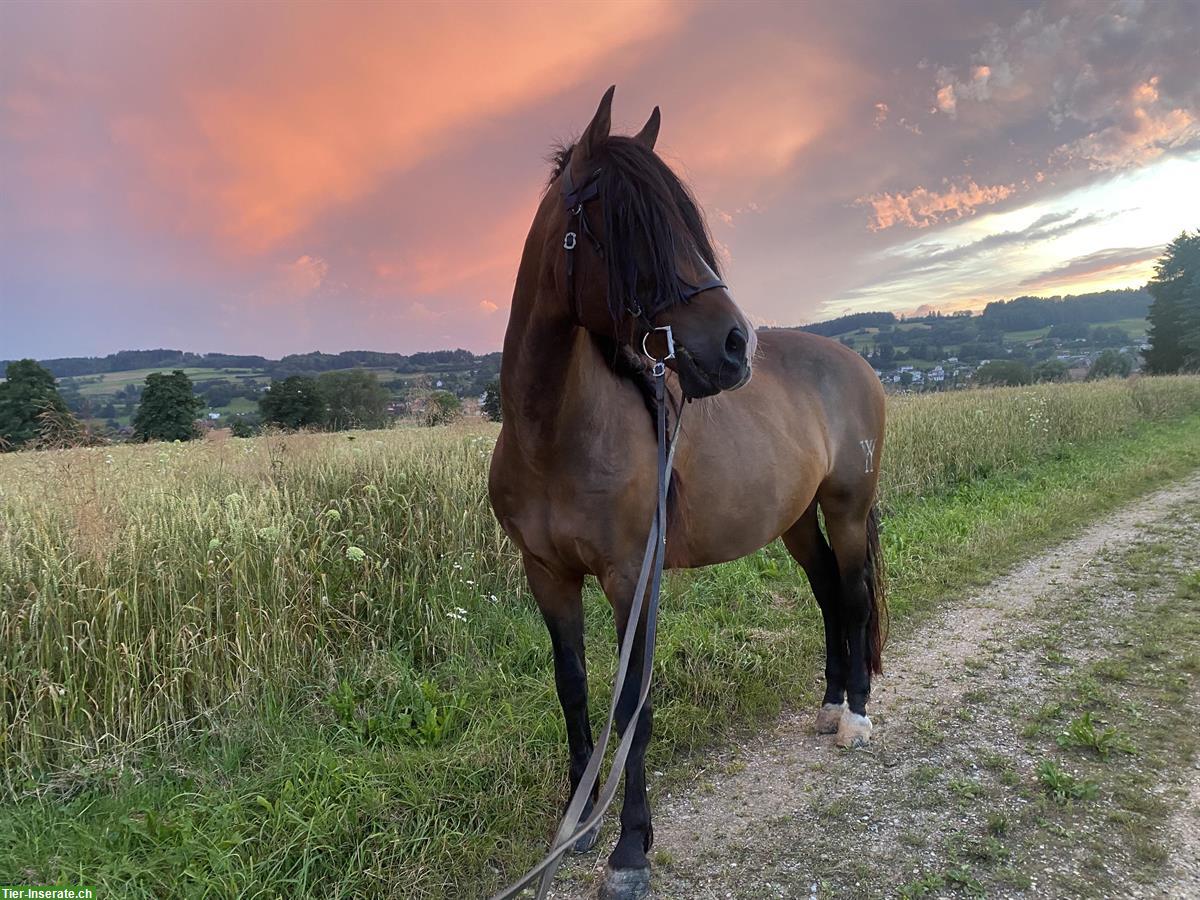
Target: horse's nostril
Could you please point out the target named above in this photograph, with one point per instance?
(735, 344)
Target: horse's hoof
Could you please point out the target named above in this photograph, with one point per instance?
(625, 884)
(587, 841)
(853, 731)
(829, 717)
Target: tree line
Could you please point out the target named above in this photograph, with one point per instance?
(1028, 313)
(34, 415)
(292, 364)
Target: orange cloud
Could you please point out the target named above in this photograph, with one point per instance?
(292, 281)
(946, 101)
(439, 262)
(724, 133)
(309, 124)
(921, 208)
(1145, 129)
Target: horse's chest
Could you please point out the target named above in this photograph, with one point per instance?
(561, 517)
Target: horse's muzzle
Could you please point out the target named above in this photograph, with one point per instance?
(697, 383)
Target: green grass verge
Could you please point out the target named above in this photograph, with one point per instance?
(374, 789)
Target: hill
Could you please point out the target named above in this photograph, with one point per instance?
(1071, 330)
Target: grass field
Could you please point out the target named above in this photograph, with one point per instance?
(1135, 328)
(309, 665)
(107, 384)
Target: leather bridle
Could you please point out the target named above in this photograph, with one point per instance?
(575, 199)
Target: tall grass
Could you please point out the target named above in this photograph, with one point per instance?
(939, 440)
(343, 612)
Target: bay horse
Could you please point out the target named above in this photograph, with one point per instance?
(618, 247)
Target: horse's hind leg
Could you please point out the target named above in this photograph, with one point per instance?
(851, 524)
(809, 548)
(560, 601)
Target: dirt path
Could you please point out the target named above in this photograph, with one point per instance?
(990, 771)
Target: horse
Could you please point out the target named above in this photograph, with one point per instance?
(786, 425)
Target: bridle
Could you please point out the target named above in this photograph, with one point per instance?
(575, 198)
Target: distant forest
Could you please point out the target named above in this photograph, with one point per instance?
(436, 361)
(1019, 314)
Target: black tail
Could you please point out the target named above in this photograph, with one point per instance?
(877, 624)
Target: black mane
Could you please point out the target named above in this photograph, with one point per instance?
(650, 222)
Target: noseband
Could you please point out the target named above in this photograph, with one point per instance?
(574, 198)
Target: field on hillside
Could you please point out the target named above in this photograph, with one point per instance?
(309, 664)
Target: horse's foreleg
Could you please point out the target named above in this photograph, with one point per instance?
(628, 876)
(560, 601)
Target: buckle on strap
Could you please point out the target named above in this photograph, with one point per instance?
(569, 241)
(659, 366)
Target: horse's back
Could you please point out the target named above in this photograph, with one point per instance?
(810, 387)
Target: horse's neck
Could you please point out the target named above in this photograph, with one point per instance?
(556, 387)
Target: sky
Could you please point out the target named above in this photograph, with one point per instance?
(275, 178)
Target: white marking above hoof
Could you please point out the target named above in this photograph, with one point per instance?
(829, 717)
(853, 731)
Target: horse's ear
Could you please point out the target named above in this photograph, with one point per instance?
(648, 136)
(597, 132)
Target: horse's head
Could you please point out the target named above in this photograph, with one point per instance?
(633, 256)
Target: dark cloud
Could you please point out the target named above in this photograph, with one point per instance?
(1047, 227)
(1094, 264)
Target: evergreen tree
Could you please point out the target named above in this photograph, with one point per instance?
(491, 401)
(26, 395)
(1175, 313)
(294, 402)
(168, 409)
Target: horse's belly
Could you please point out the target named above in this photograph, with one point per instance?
(706, 533)
(735, 501)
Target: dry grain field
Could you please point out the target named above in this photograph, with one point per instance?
(307, 665)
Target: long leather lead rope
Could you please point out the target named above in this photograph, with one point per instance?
(570, 829)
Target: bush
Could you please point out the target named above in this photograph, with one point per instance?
(1110, 364)
(1051, 370)
(1004, 373)
(442, 408)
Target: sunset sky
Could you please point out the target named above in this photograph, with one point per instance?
(275, 178)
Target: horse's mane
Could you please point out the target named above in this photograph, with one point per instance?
(651, 221)
(645, 207)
